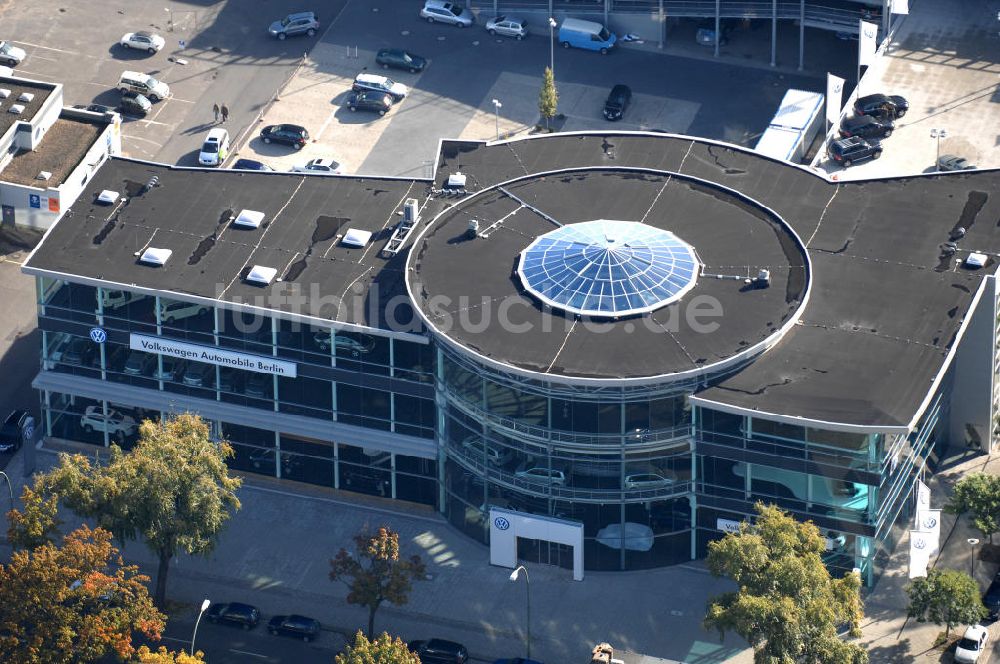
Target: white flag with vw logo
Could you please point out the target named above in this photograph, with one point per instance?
(923, 501)
(920, 543)
(834, 97)
(929, 521)
(868, 43)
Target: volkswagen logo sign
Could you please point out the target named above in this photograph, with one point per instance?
(930, 522)
(501, 523)
(97, 335)
(919, 543)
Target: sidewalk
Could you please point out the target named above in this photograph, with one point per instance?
(274, 554)
(892, 638)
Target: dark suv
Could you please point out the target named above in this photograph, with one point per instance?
(301, 627)
(300, 23)
(851, 150)
(13, 433)
(439, 651)
(369, 100)
(889, 107)
(618, 100)
(866, 126)
(234, 613)
(288, 134)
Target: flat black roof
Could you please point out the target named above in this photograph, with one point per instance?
(885, 305)
(190, 212)
(459, 282)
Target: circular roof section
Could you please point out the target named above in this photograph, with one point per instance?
(608, 268)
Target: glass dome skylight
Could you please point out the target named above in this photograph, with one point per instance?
(608, 268)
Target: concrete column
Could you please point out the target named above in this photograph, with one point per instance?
(774, 31)
(718, 26)
(802, 34)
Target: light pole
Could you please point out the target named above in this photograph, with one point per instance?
(938, 134)
(170, 23)
(527, 594)
(552, 46)
(972, 556)
(496, 111)
(10, 488)
(204, 605)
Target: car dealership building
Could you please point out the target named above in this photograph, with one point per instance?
(599, 349)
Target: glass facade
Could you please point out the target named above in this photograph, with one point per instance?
(636, 460)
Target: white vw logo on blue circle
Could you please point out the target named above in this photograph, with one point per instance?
(501, 523)
(97, 335)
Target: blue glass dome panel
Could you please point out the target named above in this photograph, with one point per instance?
(608, 268)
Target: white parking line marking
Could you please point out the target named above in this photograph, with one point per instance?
(244, 652)
(57, 50)
(326, 124)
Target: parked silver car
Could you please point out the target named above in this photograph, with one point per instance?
(11, 55)
(508, 26)
(440, 11)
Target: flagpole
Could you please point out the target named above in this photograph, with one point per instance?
(861, 34)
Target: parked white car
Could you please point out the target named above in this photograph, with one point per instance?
(495, 455)
(318, 166)
(11, 55)
(114, 422)
(546, 476)
(143, 41)
(647, 481)
(177, 310)
(215, 149)
(972, 645)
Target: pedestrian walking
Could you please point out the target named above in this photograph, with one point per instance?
(225, 113)
(215, 109)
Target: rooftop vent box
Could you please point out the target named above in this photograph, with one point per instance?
(249, 219)
(975, 260)
(4, 93)
(261, 275)
(107, 197)
(357, 238)
(154, 256)
(43, 175)
(26, 96)
(456, 179)
(16, 109)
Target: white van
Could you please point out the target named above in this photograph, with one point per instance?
(215, 149)
(112, 299)
(176, 310)
(144, 84)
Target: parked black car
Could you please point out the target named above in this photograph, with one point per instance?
(133, 103)
(439, 651)
(288, 134)
(300, 627)
(368, 100)
(12, 432)
(397, 58)
(866, 126)
(234, 613)
(991, 600)
(847, 151)
(251, 165)
(95, 108)
(889, 107)
(617, 102)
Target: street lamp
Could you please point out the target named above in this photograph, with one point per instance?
(972, 556)
(552, 46)
(938, 134)
(170, 23)
(496, 110)
(527, 594)
(204, 605)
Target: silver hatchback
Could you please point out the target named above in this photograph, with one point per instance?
(508, 26)
(435, 11)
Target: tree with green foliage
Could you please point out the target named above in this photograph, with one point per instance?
(173, 490)
(74, 603)
(945, 597)
(786, 606)
(383, 650)
(548, 98)
(36, 524)
(374, 572)
(978, 495)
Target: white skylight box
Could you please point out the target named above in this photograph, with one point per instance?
(357, 238)
(16, 109)
(249, 219)
(4, 93)
(26, 96)
(107, 197)
(154, 256)
(457, 179)
(261, 275)
(976, 260)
